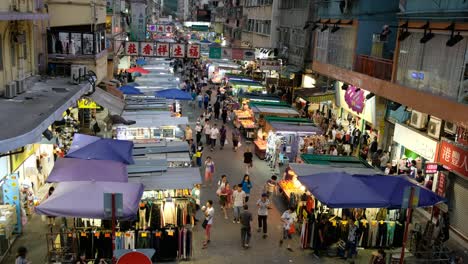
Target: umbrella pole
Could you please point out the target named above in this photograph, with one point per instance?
(409, 212)
(114, 260)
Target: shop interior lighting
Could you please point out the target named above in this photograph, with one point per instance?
(404, 32)
(427, 36)
(335, 28)
(454, 39)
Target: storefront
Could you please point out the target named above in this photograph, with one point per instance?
(218, 68)
(362, 110)
(453, 184)
(309, 100)
(410, 144)
(244, 120)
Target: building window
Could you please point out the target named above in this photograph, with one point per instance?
(76, 47)
(88, 44)
(61, 45)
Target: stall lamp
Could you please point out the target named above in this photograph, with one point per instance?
(369, 96)
(325, 27)
(335, 28)
(454, 39)
(427, 36)
(344, 86)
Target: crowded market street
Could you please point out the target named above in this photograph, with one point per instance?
(233, 131)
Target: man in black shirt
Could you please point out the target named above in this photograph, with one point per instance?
(245, 220)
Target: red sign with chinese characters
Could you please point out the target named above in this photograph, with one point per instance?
(131, 48)
(147, 48)
(193, 51)
(431, 168)
(454, 158)
(160, 29)
(168, 29)
(462, 135)
(177, 50)
(162, 50)
(441, 184)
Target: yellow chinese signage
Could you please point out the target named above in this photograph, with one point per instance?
(87, 103)
(18, 159)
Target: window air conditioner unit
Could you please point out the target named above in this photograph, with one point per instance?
(434, 126)
(20, 86)
(450, 128)
(418, 120)
(10, 90)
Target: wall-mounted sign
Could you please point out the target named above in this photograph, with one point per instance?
(269, 65)
(162, 49)
(355, 99)
(422, 145)
(431, 168)
(215, 53)
(454, 158)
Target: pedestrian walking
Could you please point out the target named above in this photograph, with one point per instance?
(238, 197)
(263, 204)
(222, 136)
(209, 215)
(188, 134)
(224, 115)
(209, 170)
(246, 228)
(271, 186)
(221, 183)
(21, 256)
(198, 131)
(199, 100)
(207, 131)
(235, 138)
(288, 218)
(246, 186)
(225, 198)
(217, 108)
(198, 155)
(248, 156)
(214, 134)
(206, 100)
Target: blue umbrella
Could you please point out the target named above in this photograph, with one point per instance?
(133, 84)
(128, 89)
(173, 94)
(141, 62)
(136, 74)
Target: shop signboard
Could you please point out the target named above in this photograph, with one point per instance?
(11, 195)
(462, 135)
(454, 158)
(18, 159)
(138, 25)
(431, 168)
(151, 27)
(269, 65)
(237, 54)
(355, 99)
(162, 49)
(418, 143)
(193, 51)
(131, 48)
(147, 49)
(87, 103)
(215, 53)
(177, 50)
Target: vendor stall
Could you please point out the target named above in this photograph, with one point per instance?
(326, 197)
(218, 68)
(261, 110)
(243, 85)
(150, 125)
(255, 97)
(243, 119)
(285, 136)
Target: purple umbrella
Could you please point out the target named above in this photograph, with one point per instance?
(70, 169)
(85, 199)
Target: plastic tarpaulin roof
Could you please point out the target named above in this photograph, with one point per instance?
(70, 169)
(173, 178)
(129, 89)
(299, 128)
(173, 94)
(95, 148)
(303, 169)
(343, 190)
(85, 199)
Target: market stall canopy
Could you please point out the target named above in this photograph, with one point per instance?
(343, 190)
(147, 166)
(304, 128)
(129, 89)
(85, 199)
(70, 169)
(133, 84)
(303, 169)
(140, 61)
(275, 110)
(95, 148)
(114, 104)
(330, 160)
(138, 69)
(173, 178)
(160, 147)
(175, 94)
(155, 121)
(255, 97)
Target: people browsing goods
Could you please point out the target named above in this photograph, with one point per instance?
(263, 204)
(209, 215)
(239, 200)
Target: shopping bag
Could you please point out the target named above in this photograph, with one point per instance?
(292, 229)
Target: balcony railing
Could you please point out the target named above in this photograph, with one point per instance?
(373, 66)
